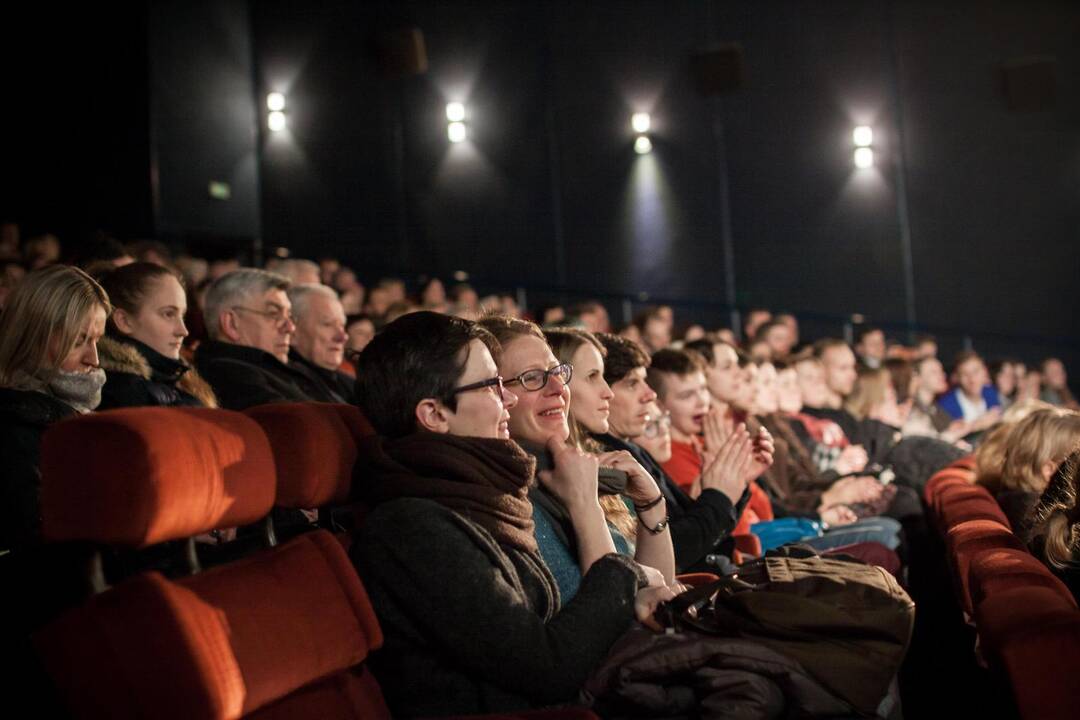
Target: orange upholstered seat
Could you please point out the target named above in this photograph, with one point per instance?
(314, 451)
(999, 570)
(280, 633)
(145, 475)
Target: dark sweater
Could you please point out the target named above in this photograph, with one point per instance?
(139, 376)
(698, 527)
(243, 376)
(468, 623)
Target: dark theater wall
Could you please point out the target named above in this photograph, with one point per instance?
(547, 190)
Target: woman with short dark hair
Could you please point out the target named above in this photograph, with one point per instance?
(472, 617)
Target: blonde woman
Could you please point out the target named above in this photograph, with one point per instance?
(48, 371)
(1035, 448)
(1055, 534)
(542, 419)
(874, 397)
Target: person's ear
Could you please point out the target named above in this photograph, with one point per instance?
(122, 321)
(230, 329)
(1048, 468)
(433, 416)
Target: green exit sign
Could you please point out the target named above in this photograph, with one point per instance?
(220, 190)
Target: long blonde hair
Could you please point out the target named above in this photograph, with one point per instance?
(43, 318)
(870, 393)
(564, 342)
(1044, 436)
(990, 455)
(1056, 517)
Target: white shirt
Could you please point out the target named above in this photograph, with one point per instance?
(973, 410)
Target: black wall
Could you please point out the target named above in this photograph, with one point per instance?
(547, 193)
(550, 88)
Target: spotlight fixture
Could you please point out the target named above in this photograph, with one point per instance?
(863, 136)
(276, 121)
(455, 112)
(640, 122)
(455, 131)
(642, 145)
(864, 158)
(275, 102)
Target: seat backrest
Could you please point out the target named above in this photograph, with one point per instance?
(140, 476)
(314, 450)
(280, 633)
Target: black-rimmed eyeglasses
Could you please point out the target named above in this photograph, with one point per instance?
(495, 381)
(533, 380)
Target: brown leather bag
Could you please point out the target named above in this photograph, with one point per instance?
(848, 624)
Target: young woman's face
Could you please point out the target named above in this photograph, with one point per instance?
(83, 357)
(747, 388)
(590, 394)
(482, 412)
(539, 414)
(811, 376)
(687, 400)
(765, 400)
(159, 322)
(657, 435)
(788, 395)
(1005, 380)
(723, 376)
(361, 332)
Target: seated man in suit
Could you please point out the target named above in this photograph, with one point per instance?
(246, 360)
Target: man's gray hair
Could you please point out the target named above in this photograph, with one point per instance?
(236, 288)
(300, 296)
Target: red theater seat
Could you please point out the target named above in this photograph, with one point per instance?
(996, 571)
(966, 540)
(281, 633)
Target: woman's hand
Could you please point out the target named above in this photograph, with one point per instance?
(573, 481)
(647, 600)
(837, 516)
(761, 454)
(853, 458)
(727, 469)
(862, 488)
(642, 488)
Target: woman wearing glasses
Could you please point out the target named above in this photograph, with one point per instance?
(542, 420)
(472, 618)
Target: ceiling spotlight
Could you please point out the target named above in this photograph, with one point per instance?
(455, 112)
(864, 158)
(456, 132)
(276, 121)
(640, 122)
(275, 102)
(863, 136)
(642, 145)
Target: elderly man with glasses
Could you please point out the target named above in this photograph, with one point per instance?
(700, 528)
(246, 360)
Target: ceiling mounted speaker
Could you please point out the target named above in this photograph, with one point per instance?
(719, 69)
(402, 52)
(1030, 84)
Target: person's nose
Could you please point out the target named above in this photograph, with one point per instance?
(509, 399)
(90, 355)
(605, 391)
(181, 329)
(649, 395)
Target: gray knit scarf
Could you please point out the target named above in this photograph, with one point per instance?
(82, 391)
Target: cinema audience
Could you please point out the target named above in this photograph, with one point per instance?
(472, 618)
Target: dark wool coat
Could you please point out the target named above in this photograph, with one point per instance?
(24, 417)
(243, 377)
(473, 625)
(331, 385)
(139, 376)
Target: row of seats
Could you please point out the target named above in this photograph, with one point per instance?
(281, 632)
(1027, 621)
